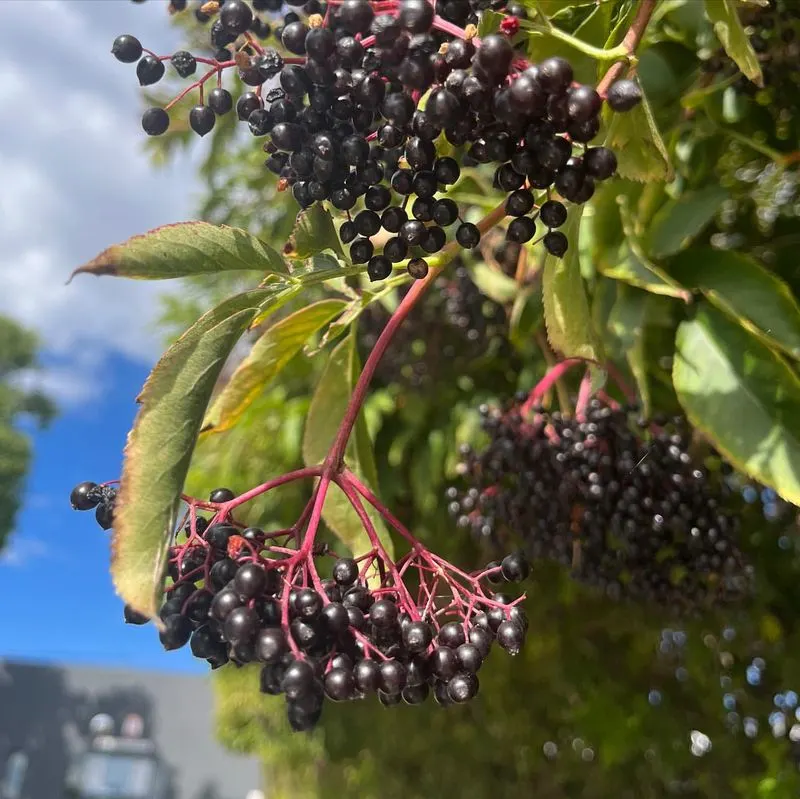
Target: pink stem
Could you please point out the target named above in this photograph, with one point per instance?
(584, 395)
(547, 382)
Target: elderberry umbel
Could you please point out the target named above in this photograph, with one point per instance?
(326, 626)
(351, 100)
(618, 500)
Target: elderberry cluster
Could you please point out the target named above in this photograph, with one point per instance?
(454, 330)
(617, 499)
(231, 599)
(374, 107)
(100, 498)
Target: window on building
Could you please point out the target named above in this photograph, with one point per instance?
(14, 771)
(117, 776)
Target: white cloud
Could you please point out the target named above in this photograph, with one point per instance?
(76, 180)
(22, 550)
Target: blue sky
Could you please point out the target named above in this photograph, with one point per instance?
(76, 180)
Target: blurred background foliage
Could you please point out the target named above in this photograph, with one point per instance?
(607, 699)
(20, 406)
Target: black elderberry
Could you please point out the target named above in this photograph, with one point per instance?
(356, 16)
(155, 121)
(104, 515)
(468, 235)
(246, 104)
(583, 102)
(417, 636)
(367, 223)
(358, 597)
(494, 56)
(412, 232)
(176, 633)
(515, 567)
(481, 639)
(392, 676)
(340, 685)
(418, 268)
(240, 625)
(555, 242)
(294, 37)
(149, 70)
(415, 694)
(623, 95)
(445, 212)
(335, 617)
(416, 16)
(367, 676)
(401, 181)
(452, 634)
(345, 571)
(126, 48)
(222, 572)
(395, 249)
(361, 251)
(298, 680)
(510, 636)
(463, 687)
(469, 657)
(221, 495)
(600, 162)
(184, 62)
(223, 603)
(383, 614)
(250, 580)
(433, 240)
(85, 496)
(555, 75)
(521, 229)
(519, 202)
(198, 607)
(307, 604)
(553, 213)
(554, 153)
(132, 616)
(235, 16)
(443, 662)
(517, 615)
(220, 101)
(422, 209)
(347, 232)
(270, 644)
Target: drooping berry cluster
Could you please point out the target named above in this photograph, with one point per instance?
(244, 595)
(617, 499)
(362, 104)
(453, 331)
(100, 498)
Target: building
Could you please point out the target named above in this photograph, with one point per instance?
(75, 732)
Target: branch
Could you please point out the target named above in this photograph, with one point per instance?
(333, 462)
(629, 44)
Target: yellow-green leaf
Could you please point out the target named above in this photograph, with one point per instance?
(327, 409)
(740, 286)
(734, 39)
(313, 233)
(185, 249)
(160, 445)
(743, 396)
(269, 355)
(566, 309)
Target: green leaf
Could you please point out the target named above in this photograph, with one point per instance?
(526, 317)
(566, 310)
(313, 232)
(737, 284)
(160, 445)
(494, 284)
(743, 396)
(732, 36)
(627, 322)
(490, 22)
(324, 415)
(634, 137)
(679, 221)
(185, 249)
(276, 347)
(632, 265)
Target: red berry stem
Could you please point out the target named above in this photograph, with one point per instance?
(631, 41)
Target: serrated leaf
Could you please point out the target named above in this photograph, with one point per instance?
(741, 395)
(634, 137)
(183, 250)
(490, 22)
(738, 285)
(732, 36)
(679, 221)
(324, 415)
(566, 309)
(313, 233)
(276, 347)
(160, 445)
